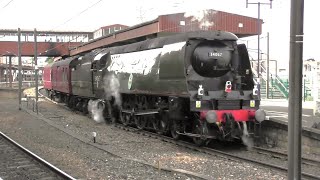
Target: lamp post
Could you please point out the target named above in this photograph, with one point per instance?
(6, 71)
(20, 67)
(295, 90)
(36, 69)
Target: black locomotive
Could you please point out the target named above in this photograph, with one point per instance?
(197, 84)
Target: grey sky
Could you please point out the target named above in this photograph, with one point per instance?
(83, 15)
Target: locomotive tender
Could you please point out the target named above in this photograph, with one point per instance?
(198, 84)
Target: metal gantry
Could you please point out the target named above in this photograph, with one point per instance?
(259, 4)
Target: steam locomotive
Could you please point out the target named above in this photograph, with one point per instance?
(196, 84)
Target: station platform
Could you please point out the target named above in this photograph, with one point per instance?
(278, 109)
(285, 103)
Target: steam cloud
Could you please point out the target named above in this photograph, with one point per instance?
(247, 141)
(96, 110)
(246, 138)
(111, 88)
(204, 17)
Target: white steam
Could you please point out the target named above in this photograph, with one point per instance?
(112, 88)
(246, 138)
(204, 17)
(247, 141)
(95, 107)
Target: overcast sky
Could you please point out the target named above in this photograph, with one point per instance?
(89, 15)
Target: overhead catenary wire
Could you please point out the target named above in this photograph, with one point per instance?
(86, 9)
(7, 4)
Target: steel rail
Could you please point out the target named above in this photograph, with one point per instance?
(305, 160)
(205, 150)
(51, 167)
(208, 150)
(181, 171)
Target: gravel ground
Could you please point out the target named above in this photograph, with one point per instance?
(71, 155)
(87, 162)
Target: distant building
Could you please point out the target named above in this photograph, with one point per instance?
(311, 76)
(26, 61)
(106, 30)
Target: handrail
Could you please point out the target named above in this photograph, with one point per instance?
(263, 77)
(277, 78)
(278, 83)
(256, 73)
(281, 87)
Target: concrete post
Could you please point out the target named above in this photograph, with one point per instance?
(295, 78)
(20, 67)
(36, 69)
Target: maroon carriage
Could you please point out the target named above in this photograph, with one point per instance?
(47, 77)
(61, 78)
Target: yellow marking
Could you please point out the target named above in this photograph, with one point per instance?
(252, 103)
(198, 104)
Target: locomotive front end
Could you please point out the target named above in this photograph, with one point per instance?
(223, 95)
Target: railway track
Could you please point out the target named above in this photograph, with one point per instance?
(225, 154)
(284, 156)
(17, 162)
(228, 155)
